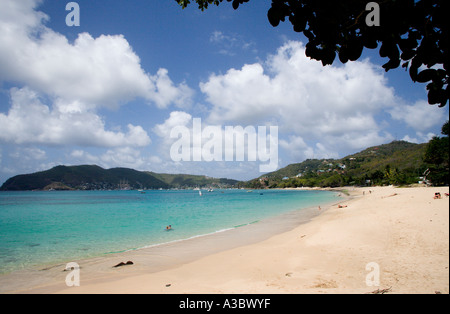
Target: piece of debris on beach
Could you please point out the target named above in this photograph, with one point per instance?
(123, 264)
(381, 291)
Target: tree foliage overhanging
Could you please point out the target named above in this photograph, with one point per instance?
(411, 33)
(437, 157)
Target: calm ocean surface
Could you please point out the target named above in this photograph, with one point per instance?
(42, 228)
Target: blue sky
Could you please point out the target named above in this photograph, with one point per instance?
(109, 91)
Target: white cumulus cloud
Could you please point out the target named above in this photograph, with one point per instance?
(334, 106)
(29, 121)
(419, 116)
(177, 118)
(103, 71)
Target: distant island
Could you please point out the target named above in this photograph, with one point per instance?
(397, 163)
(92, 177)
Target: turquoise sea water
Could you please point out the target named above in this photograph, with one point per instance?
(41, 228)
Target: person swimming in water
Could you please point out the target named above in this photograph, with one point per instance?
(169, 227)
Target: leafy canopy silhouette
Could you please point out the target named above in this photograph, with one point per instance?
(410, 33)
(437, 156)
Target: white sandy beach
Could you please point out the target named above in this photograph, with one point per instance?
(402, 231)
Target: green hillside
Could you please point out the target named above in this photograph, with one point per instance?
(96, 178)
(396, 163)
(186, 180)
(399, 162)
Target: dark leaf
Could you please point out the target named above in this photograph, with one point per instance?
(407, 44)
(343, 56)
(299, 24)
(407, 55)
(370, 43)
(414, 68)
(273, 16)
(309, 34)
(426, 75)
(392, 64)
(328, 56)
(387, 49)
(311, 51)
(434, 97)
(355, 50)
